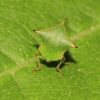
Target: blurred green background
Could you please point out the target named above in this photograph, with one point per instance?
(81, 81)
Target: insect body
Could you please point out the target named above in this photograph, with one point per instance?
(54, 42)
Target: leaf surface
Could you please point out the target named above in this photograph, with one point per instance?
(81, 80)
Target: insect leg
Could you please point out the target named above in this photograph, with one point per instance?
(58, 66)
(38, 62)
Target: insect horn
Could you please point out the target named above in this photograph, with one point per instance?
(34, 30)
(74, 45)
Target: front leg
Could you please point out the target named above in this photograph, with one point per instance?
(58, 66)
(39, 66)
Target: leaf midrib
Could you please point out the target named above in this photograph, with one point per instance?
(17, 67)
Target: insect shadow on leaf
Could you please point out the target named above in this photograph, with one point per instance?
(68, 60)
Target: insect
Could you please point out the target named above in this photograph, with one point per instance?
(53, 43)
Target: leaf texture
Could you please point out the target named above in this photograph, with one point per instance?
(80, 81)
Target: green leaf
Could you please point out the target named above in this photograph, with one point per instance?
(80, 81)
